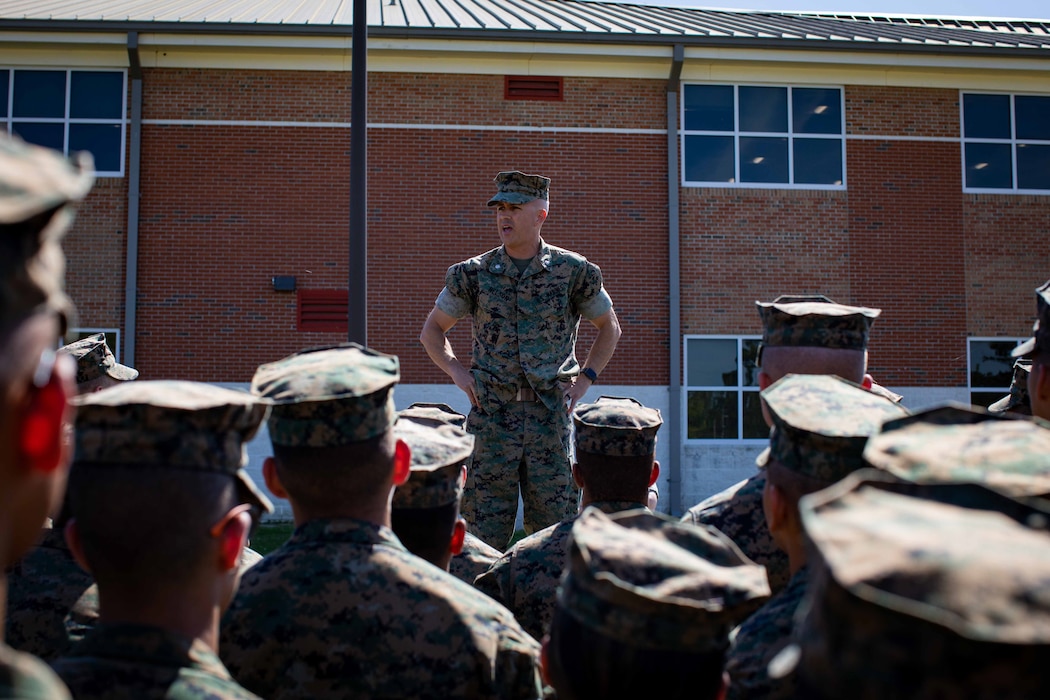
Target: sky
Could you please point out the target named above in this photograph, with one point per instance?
(1015, 9)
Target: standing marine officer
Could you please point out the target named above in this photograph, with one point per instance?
(525, 300)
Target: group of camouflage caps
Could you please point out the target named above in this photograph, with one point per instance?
(876, 554)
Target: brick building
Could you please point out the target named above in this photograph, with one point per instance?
(704, 159)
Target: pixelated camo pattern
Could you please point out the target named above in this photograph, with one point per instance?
(126, 661)
(658, 583)
(957, 575)
(438, 456)
(616, 426)
(524, 327)
(475, 559)
(960, 444)
(95, 359)
(25, 676)
(759, 638)
(1040, 339)
(822, 422)
(816, 324)
(737, 513)
(525, 579)
(1017, 401)
(516, 187)
(433, 414)
(329, 396)
(342, 610)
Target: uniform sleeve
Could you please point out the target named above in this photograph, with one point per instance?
(589, 297)
(459, 296)
(497, 583)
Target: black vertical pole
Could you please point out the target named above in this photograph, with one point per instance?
(357, 283)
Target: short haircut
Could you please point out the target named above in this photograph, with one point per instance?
(426, 532)
(583, 663)
(340, 477)
(615, 478)
(143, 526)
(779, 360)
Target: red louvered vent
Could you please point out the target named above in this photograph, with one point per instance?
(323, 310)
(519, 87)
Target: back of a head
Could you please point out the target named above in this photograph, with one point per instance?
(645, 607)
(814, 335)
(333, 410)
(615, 447)
(157, 465)
(922, 591)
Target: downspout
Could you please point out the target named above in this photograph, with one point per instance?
(674, 423)
(131, 265)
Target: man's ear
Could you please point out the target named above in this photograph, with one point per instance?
(41, 445)
(402, 462)
(779, 508)
(233, 539)
(867, 381)
(577, 477)
(541, 216)
(655, 473)
(764, 381)
(459, 535)
(273, 481)
(544, 659)
(76, 547)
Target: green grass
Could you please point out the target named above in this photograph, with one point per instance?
(271, 535)
(518, 534)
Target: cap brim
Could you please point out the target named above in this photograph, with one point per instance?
(1002, 405)
(1025, 349)
(785, 662)
(762, 459)
(510, 198)
(122, 372)
(251, 492)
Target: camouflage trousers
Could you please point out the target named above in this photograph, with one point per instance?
(522, 446)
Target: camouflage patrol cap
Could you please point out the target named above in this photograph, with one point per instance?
(179, 425)
(329, 396)
(1040, 340)
(649, 581)
(438, 455)
(821, 423)
(814, 321)
(617, 427)
(1017, 400)
(33, 181)
(95, 359)
(922, 591)
(516, 187)
(434, 414)
(957, 443)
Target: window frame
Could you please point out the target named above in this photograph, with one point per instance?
(81, 332)
(970, 389)
(1013, 142)
(9, 120)
(736, 134)
(739, 389)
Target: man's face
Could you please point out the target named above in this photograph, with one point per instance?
(519, 224)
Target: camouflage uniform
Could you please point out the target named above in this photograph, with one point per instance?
(51, 602)
(526, 578)
(473, 560)
(820, 426)
(33, 182)
(524, 341)
(922, 591)
(343, 610)
(139, 661)
(788, 321)
(1040, 340)
(957, 443)
(1017, 400)
(95, 360)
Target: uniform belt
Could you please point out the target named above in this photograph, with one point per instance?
(526, 393)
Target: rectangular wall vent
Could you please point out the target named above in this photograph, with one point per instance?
(323, 310)
(518, 87)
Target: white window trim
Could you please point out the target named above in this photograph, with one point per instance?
(740, 389)
(736, 134)
(1012, 142)
(8, 119)
(114, 332)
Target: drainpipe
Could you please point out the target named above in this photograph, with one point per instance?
(131, 265)
(674, 423)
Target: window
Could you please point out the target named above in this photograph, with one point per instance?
(722, 401)
(763, 136)
(991, 368)
(1006, 143)
(69, 111)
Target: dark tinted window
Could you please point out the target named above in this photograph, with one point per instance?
(1032, 115)
(709, 107)
(989, 165)
(103, 140)
(709, 159)
(763, 159)
(40, 93)
(763, 109)
(1033, 166)
(986, 116)
(816, 111)
(818, 161)
(95, 95)
(49, 135)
